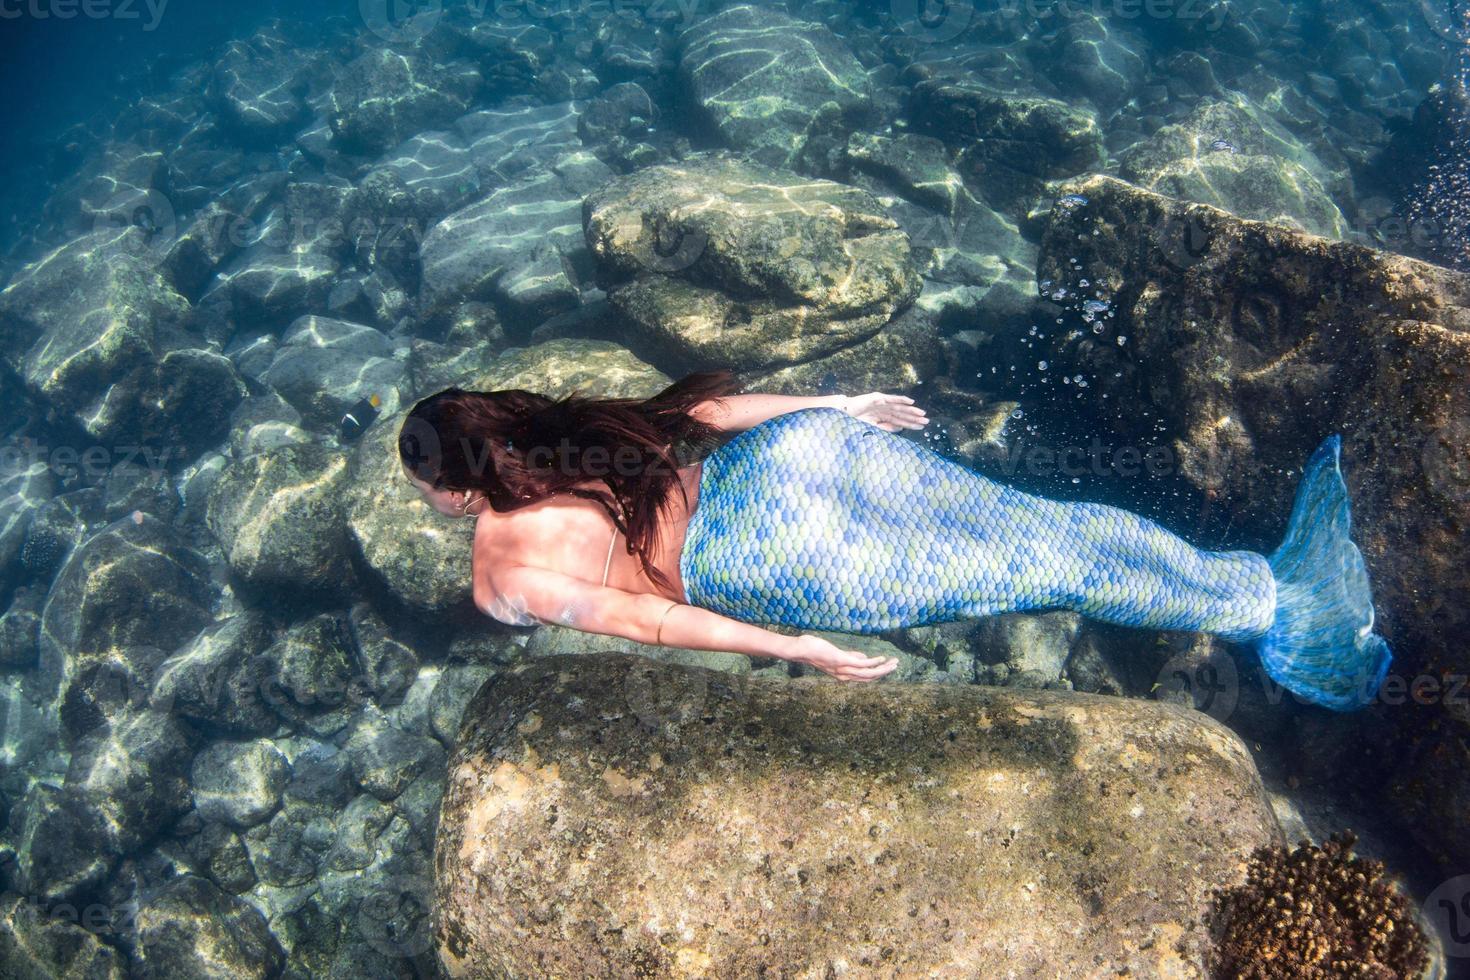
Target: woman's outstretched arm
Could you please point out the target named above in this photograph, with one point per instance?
(538, 595)
(735, 413)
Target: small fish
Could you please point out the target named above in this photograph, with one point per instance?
(1070, 201)
(359, 417)
(1095, 306)
(1223, 146)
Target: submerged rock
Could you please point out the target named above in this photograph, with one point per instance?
(90, 314)
(721, 263)
(37, 944)
(809, 826)
(1233, 157)
(278, 515)
(191, 930)
(770, 84)
(1251, 343)
(1009, 145)
(384, 96)
(239, 783)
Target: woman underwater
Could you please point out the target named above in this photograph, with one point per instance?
(817, 515)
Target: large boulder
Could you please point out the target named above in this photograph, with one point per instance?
(742, 827)
(37, 944)
(770, 84)
(1250, 343)
(422, 558)
(717, 262)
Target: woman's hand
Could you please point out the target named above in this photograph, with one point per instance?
(887, 412)
(847, 665)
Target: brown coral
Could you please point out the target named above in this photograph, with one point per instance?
(1316, 912)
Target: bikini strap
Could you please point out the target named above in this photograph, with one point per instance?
(608, 564)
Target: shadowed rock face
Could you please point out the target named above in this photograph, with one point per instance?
(609, 815)
(1254, 343)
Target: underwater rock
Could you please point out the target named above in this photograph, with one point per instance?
(125, 784)
(190, 930)
(239, 783)
(1252, 343)
(623, 112)
(24, 487)
(278, 516)
(521, 139)
(916, 166)
(175, 406)
(551, 641)
(1091, 56)
(323, 367)
(217, 679)
(20, 630)
(423, 558)
(1033, 648)
(719, 262)
(437, 169)
(60, 844)
(36, 944)
(259, 87)
(1260, 172)
(900, 355)
(311, 669)
(383, 97)
(1009, 145)
(389, 667)
(386, 759)
(453, 691)
(86, 315)
(131, 584)
(926, 828)
(769, 84)
(521, 246)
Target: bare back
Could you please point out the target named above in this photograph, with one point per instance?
(570, 535)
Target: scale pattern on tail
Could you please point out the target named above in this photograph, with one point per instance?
(821, 521)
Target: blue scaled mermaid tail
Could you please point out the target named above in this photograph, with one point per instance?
(817, 520)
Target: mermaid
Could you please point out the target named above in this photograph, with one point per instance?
(814, 513)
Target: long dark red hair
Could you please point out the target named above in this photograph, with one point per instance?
(517, 448)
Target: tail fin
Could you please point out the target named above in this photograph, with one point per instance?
(1322, 645)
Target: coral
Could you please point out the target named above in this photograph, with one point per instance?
(1316, 912)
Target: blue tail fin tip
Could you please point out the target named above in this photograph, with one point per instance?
(1322, 646)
